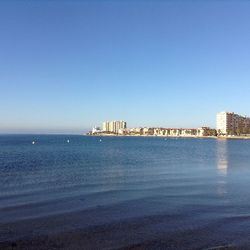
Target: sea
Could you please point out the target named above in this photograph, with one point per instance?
(91, 192)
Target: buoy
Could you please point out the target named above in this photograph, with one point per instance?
(67, 141)
(100, 140)
(33, 142)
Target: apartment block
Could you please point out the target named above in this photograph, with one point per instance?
(114, 126)
(230, 123)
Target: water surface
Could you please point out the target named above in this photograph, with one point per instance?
(131, 191)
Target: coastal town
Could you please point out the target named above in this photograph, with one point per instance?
(228, 124)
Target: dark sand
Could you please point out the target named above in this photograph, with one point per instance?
(150, 232)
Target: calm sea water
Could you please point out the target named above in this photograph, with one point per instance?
(160, 190)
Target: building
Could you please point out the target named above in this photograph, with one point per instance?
(114, 126)
(105, 126)
(96, 130)
(180, 132)
(229, 123)
(206, 131)
(222, 119)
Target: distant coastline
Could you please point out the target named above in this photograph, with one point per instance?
(239, 137)
(172, 137)
(229, 125)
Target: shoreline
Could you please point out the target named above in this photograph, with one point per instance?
(172, 137)
(121, 234)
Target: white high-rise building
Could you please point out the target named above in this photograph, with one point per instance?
(105, 126)
(222, 122)
(114, 126)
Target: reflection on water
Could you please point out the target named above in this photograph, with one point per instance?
(222, 156)
(222, 166)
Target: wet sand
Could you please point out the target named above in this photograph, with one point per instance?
(98, 239)
(120, 237)
(177, 231)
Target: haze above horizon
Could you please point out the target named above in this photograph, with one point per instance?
(69, 65)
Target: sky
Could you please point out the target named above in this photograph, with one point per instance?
(66, 66)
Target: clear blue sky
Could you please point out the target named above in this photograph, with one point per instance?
(68, 65)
